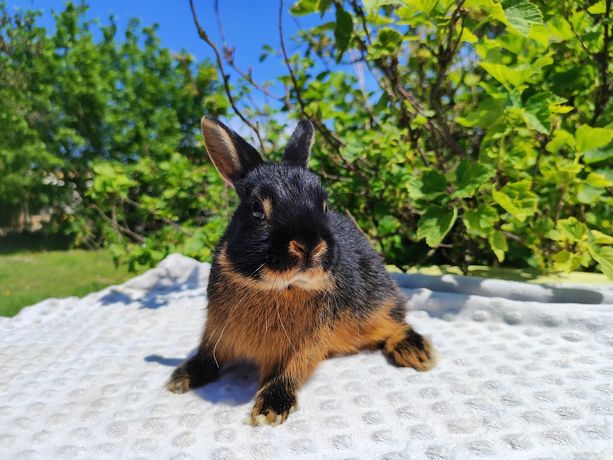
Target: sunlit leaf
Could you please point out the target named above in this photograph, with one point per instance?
(517, 199)
(435, 223)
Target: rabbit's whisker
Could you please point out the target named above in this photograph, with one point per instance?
(283, 327)
(224, 330)
(257, 270)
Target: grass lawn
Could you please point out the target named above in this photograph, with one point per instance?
(27, 278)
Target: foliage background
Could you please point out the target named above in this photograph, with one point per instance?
(455, 131)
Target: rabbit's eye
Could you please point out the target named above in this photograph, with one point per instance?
(257, 210)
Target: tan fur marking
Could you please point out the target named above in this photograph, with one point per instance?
(420, 359)
(179, 386)
(295, 249)
(220, 148)
(396, 337)
(351, 334)
(267, 206)
(319, 250)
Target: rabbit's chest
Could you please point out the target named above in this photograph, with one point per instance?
(262, 326)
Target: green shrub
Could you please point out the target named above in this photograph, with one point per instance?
(103, 132)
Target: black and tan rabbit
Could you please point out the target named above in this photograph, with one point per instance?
(292, 282)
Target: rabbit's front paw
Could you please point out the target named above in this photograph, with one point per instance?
(411, 350)
(193, 373)
(179, 381)
(273, 403)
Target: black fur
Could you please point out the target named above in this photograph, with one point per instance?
(298, 213)
(277, 395)
(298, 150)
(198, 370)
(412, 341)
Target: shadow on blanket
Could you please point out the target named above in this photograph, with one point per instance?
(510, 290)
(155, 290)
(236, 385)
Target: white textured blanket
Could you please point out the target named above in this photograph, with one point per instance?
(525, 371)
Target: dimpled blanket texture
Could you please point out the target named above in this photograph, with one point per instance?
(525, 371)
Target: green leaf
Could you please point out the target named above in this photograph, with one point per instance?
(560, 139)
(373, 5)
(481, 220)
(469, 177)
(342, 30)
(601, 238)
(598, 155)
(435, 223)
(588, 138)
(571, 230)
(522, 15)
(566, 261)
(534, 122)
(536, 113)
(389, 224)
(499, 245)
(598, 180)
(517, 199)
(485, 114)
(589, 195)
(323, 6)
(387, 43)
(509, 77)
(604, 256)
(598, 8)
(304, 7)
(433, 183)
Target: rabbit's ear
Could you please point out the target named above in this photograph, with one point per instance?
(232, 155)
(298, 150)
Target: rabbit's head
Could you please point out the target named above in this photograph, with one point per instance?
(279, 236)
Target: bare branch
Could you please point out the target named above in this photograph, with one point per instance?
(228, 53)
(445, 56)
(157, 215)
(330, 138)
(396, 91)
(605, 87)
(118, 228)
(204, 36)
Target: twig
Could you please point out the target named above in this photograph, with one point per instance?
(603, 93)
(157, 215)
(513, 236)
(360, 12)
(117, 227)
(579, 39)
(203, 35)
(396, 91)
(228, 53)
(334, 142)
(444, 58)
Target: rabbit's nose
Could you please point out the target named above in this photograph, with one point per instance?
(309, 254)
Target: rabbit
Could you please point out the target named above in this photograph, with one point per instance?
(292, 282)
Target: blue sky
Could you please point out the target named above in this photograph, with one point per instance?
(248, 25)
